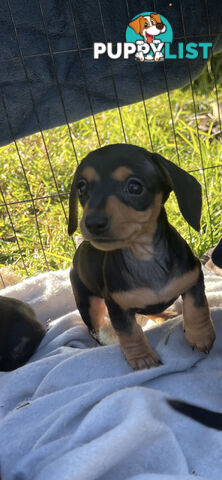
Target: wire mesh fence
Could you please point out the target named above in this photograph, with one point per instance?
(36, 172)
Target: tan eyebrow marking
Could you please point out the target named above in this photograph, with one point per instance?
(90, 174)
(121, 173)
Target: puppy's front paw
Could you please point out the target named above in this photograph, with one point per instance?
(202, 339)
(139, 354)
(148, 360)
(137, 350)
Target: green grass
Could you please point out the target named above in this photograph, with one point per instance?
(193, 153)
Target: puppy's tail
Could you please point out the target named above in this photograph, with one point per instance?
(201, 415)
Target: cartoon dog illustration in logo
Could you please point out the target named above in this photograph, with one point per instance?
(149, 26)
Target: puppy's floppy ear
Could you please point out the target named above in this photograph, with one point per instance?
(73, 208)
(135, 24)
(187, 190)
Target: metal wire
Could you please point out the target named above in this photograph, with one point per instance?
(83, 71)
(14, 231)
(51, 53)
(43, 140)
(44, 197)
(56, 78)
(172, 120)
(74, 50)
(141, 88)
(27, 183)
(34, 104)
(112, 75)
(213, 63)
(196, 122)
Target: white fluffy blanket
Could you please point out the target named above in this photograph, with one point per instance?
(77, 411)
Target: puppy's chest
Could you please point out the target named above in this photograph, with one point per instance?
(144, 284)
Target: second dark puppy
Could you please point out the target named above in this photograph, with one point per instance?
(132, 260)
(20, 333)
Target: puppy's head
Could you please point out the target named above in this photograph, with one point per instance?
(122, 189)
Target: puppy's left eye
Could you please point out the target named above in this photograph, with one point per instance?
(82, 187)
(134, 187)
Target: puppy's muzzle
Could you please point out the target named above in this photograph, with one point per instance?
(97, 224)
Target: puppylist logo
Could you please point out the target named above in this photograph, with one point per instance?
(149, 32)
(149, 37)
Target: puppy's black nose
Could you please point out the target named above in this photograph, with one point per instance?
(159, 26)
(97, 223)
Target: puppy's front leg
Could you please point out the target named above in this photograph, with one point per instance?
(198, 325)
(133, 342)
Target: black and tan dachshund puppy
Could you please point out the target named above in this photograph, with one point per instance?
(20, 333)
(132, 260)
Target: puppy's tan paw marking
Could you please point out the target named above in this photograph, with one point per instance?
(202, 339)
(140, 356)
(147, 361)
(137, 350)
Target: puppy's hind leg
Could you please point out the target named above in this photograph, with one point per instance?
(198, 325)
(93, 311)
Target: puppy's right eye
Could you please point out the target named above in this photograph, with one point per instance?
(82, 187)
(134, 186)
